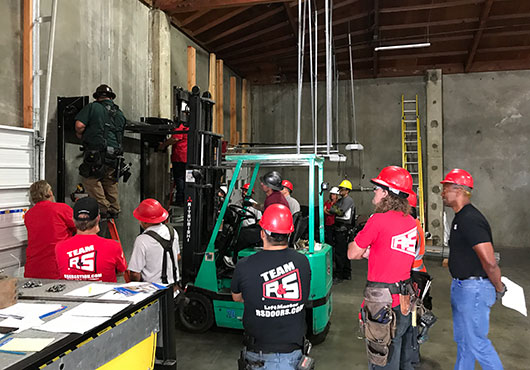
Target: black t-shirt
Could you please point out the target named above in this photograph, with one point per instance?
(275, 286)
(468, 229)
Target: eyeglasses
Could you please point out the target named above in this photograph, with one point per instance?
(377, 188)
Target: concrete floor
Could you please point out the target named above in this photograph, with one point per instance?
(219, 348)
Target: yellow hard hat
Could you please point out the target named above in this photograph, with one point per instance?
(346, 184)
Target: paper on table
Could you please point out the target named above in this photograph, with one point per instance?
(91, 290)
(27, 344)
(66, 324)
(23, 324)
(96, 309)
(514, 296)
(135, 298)
(30, 309)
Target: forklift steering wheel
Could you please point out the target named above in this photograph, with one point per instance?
(245, 214)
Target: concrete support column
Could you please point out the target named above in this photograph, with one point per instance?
(157, 170)
(160, 72)
(434, 150)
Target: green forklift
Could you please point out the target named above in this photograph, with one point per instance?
(212, 225)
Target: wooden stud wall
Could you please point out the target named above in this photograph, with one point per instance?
(212, 88)
(219, 101)
(192, 66)
(27, 64)
(233, 112)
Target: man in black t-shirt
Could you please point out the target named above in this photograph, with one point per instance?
(476, 276)
(274, 286)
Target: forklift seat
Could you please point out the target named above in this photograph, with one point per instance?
(300, 226)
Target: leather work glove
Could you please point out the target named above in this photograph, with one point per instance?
(500, 294)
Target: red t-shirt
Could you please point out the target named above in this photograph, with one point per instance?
(47, 223)
(328, 219)
(392, 240)
(273, 198)
(180, 148)
(90, 257)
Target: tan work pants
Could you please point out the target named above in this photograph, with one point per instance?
(104, 190)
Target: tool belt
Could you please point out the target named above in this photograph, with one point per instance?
(253, 345)
(305, 363)
(96, 162)
(378, 323)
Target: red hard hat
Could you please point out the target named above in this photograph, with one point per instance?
(458, 177)
(277, 219)
(246, 187)
(287, 184)
(396, 179)
(413, 200)
(150, 211)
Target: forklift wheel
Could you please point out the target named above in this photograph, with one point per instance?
(197, 316)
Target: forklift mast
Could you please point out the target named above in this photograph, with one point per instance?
(203, 176)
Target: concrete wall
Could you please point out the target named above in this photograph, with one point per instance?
(100, 42)
(179, 76)
(378, 118)
(485, 132)
(11, 59)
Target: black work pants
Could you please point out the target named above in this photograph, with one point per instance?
(340, 249)
(179, 175)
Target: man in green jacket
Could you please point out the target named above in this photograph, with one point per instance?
(101, 126)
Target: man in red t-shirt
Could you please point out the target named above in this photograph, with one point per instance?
(47, 223)
(87, 256)
(179, 157)
(389, 242)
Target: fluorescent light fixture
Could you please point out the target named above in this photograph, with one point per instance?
(406, 46)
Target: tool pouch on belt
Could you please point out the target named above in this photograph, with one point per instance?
(92, 165)
(379, 324)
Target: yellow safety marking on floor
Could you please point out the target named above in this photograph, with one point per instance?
(84, 342)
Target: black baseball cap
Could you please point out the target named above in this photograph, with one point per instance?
(86, 209)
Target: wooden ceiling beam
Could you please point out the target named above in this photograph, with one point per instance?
(256, 47)
(251, 36)
(292, 20)
(212, 24)
(193, 17)
(478, 34)
(431, 5)
(244, 25)
(375, 38)
(447, 22)
(185, 6)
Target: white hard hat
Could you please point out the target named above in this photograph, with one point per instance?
(334, 190)
(224, 189)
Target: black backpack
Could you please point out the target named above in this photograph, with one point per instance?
(167, 245)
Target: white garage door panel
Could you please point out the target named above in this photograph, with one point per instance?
(16, 177)
(17, 173)
(13, 235)
(14, 198)
(11, 158)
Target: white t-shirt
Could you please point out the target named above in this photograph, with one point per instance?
(147, 255)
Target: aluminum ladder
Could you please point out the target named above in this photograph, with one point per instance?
(411, 148)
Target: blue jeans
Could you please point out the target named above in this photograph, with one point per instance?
(276, 361)
(471, 301)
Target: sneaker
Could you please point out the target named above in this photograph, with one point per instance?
(228, 261)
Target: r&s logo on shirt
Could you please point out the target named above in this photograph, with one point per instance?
(82, 258)
(406, 242)
(282, 283)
